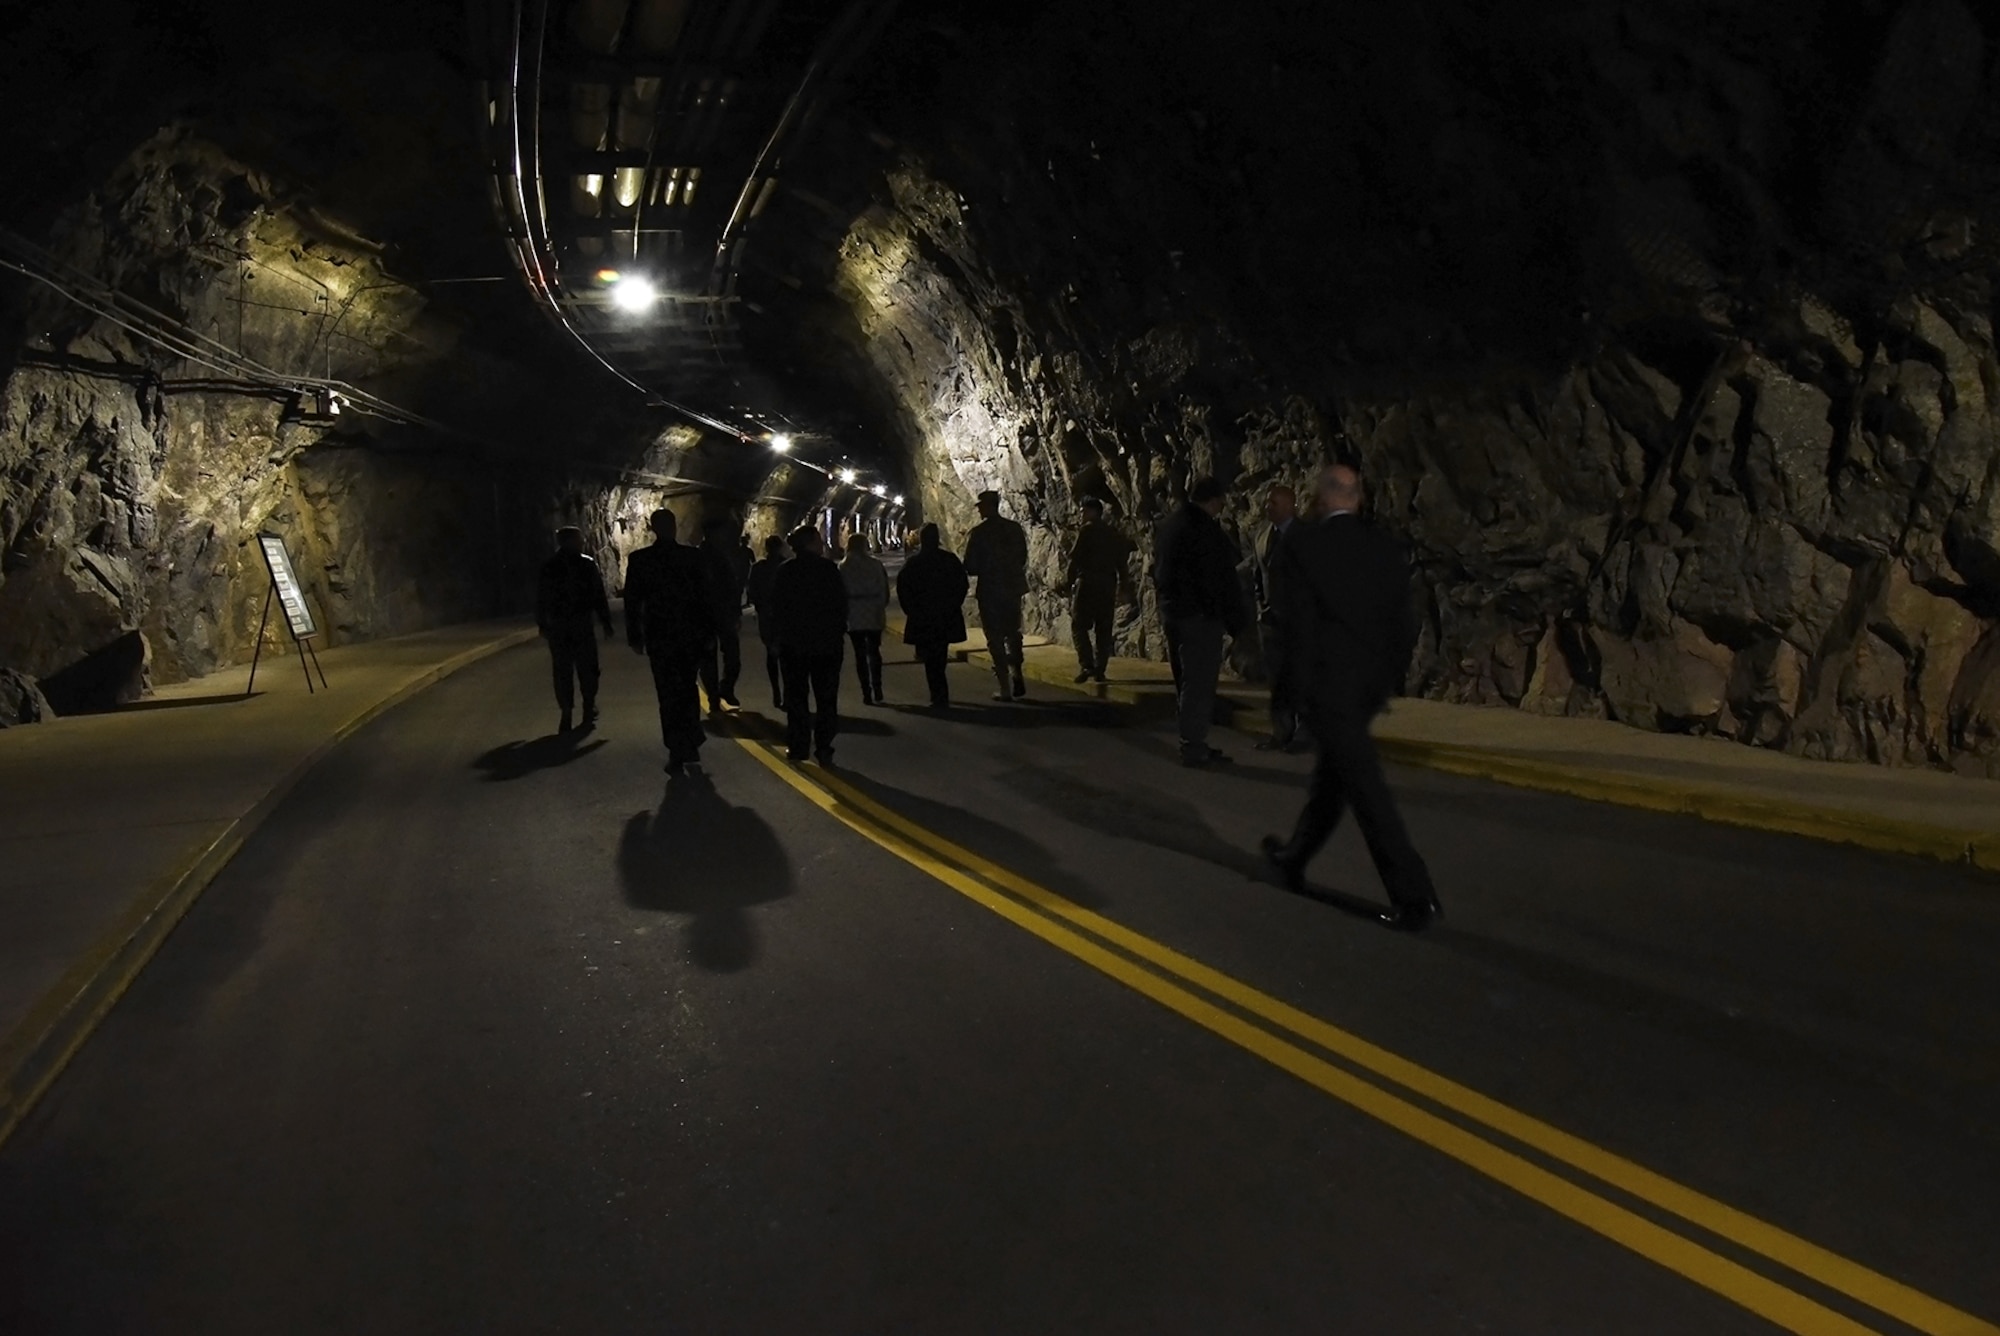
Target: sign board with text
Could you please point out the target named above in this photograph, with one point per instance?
(292, 598)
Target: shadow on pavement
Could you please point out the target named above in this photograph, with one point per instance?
(989, 839)
(1134, 813)
(1346, 903)
(178, 702)
(700, 857)
(1018, 714)
(518, 759)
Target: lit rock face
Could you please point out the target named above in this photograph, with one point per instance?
(133, 481)
(1666, 345)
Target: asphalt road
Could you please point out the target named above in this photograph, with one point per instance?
(490, 1032)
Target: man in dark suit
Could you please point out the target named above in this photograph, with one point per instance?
(1096, 571)
(568, 598)
(1201, 604)
(996, 556)
(809, 603)
(931, 588)
(670, 618)
(725, 590)
(1280, 513)
(1344, 611)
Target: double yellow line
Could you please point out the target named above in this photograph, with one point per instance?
(1388, 1088)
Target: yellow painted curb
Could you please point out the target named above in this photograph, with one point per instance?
(57, 1026)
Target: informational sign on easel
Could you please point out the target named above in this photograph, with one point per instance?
(291, 598)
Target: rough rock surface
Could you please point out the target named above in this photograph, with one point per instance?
(1664, 333)
(133, 482)
(21, 700)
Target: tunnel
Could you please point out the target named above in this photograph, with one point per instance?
(1649, 348)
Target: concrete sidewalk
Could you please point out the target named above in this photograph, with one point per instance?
(1923, 813)
(113, 823)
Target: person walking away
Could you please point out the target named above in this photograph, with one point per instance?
(996, 556)
(1280, 514)
(1344, 587)
(569, 596)
(1095, 574)
(810, 601)
(1194, 570)
(742, 558)
(670, 618)
(718, 554)
(931, 590)
(758, 588)
(867, 582)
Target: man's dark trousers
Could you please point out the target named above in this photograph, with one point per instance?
(811, 727)
(1091, 620)
(674, 672)
(1197, 655)
(1347, 772)
(1284, 716)
(573, 654)
(729, 640)
(934, 655)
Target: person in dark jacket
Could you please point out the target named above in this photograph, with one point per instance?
(996, 555)
(1280, 514)
(1096, 571)
(1201, 602)
(725, 588)
(758, 589)
(810, 601)
(931, 590)
(1344, 590)
(568, 598)
(670, 618)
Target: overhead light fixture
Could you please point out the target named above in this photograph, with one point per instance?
(634, 293)
(781, 443)
(879, 490)
(847, 476)
(899, 499)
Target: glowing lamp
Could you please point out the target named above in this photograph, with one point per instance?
(879, 490)
(781, 443)
(633, 293)
(847, 476)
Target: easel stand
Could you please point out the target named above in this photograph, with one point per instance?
(308, 656)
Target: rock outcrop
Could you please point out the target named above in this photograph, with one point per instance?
(1666, 341)
(134, 479)
(21, 700)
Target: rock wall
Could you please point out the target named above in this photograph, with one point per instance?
(1663, 333)
(133, 479)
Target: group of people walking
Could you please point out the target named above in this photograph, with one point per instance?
(1329, 605)
(684, 611)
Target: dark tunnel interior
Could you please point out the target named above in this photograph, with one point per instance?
(1445, 779)
(1662, 332)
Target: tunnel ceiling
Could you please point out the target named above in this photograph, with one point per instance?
(644, 140)
(1663, 331)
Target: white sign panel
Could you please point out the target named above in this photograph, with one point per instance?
(293, 599)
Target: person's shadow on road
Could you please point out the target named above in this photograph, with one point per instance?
(518, 759)
(699, 857)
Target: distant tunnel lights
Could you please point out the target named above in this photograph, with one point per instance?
(634, 293)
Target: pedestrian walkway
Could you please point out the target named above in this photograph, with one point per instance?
(1923, 813)
(113, 823)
